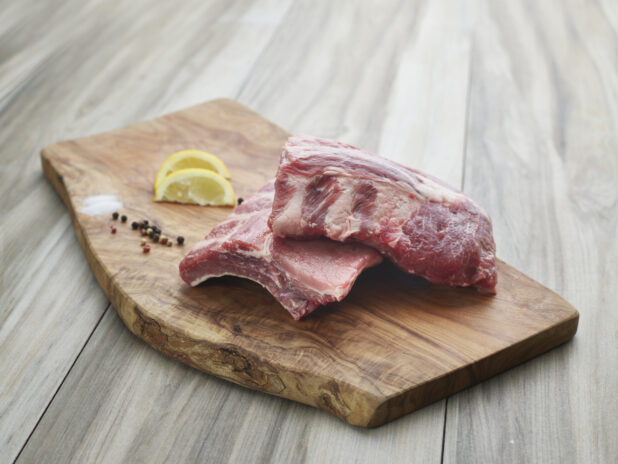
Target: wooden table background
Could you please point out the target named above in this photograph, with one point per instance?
(516, 102)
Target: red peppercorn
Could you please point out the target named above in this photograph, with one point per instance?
(164, 240)
(143, 231)
(146, 248)
(112, 229)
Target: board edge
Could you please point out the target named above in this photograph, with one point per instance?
(475, 372)
(329, 397)
(374, 410)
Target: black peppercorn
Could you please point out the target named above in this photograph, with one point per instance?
(180, 239)
(123, 218)
(134, 225)
(145, 222)
(240, 200)
(115, 215)
(156, 237)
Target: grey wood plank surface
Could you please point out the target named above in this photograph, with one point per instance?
(538, 82)
(210, 419)
(392, 80)
(543, 150)
(42, 329)
(50, 301)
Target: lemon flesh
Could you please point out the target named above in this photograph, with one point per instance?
(190, 159)
(196, 186)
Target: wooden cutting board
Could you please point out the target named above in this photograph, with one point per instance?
(395, 344)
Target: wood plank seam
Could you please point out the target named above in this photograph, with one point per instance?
(61, 383)
(462, 183)
(444, 428)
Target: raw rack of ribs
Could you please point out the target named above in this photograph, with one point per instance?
(301, 275)
(329, 189)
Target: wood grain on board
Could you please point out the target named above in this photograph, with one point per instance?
(394, 345)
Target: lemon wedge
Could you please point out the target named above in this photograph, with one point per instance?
(189, 159)
(196, 186)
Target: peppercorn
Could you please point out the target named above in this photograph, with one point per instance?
(112, 229)
(146, 248)
(134, 225)
(240, 200)
(123, 218)
(180, 239)
(169, 243)
(143, 242)
(142, 231)
(150, 232)
(145, 222)
(115, 215)
(164, 240)
(156, 237)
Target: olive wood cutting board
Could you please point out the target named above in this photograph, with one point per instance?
(395, 344)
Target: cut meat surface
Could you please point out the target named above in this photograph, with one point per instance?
(301, 275)
(326, 188)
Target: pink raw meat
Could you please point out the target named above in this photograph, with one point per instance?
(301, 275)
(326, 188)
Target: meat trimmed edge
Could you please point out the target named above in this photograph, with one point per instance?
(301, 275)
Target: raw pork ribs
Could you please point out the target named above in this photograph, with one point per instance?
(326, 188)
(301, 275)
